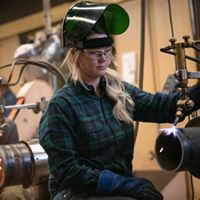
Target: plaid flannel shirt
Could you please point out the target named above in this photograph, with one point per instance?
(82, 137)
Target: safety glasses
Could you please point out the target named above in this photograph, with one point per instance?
(98, 53)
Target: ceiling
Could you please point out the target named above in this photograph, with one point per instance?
(11, 9)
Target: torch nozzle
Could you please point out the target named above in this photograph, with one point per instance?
(176, 121)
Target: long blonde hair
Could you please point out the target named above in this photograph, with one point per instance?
(114, 87)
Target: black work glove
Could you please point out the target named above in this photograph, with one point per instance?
(110, 183)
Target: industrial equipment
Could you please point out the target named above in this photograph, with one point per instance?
(178, 149)
(24, 164)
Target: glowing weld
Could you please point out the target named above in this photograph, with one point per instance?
(169, 131)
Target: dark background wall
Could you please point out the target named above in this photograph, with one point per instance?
(14, 9)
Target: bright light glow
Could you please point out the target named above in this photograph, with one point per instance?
(169, 131)
(161, 149)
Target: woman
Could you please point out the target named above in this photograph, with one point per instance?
(87, 129)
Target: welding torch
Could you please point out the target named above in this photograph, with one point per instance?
(182, 75)
(184, 141)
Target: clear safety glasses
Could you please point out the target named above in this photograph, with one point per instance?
(98, 53)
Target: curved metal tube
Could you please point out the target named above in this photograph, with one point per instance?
(178, 149)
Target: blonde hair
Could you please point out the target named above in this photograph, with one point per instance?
(114, 87)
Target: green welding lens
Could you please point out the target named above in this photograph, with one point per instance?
(116, 19)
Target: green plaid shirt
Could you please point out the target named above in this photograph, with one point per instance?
(82, 137)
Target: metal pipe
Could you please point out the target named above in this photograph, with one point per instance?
(20, 107)
(47, 16)
(178, 149)
(142, 54)
(25, 163)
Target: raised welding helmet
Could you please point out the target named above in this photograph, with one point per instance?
(83, 16)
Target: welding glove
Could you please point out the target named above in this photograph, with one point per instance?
(110, 183)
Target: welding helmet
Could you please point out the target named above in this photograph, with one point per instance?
(83, 17)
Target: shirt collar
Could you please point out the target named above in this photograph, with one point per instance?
(89, 88)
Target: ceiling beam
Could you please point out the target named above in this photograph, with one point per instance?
(32, 22)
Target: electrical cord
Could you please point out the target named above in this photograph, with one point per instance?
(170, 17)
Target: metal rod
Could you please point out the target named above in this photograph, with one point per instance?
(47, 17)
(25, 106)
(193, 75)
